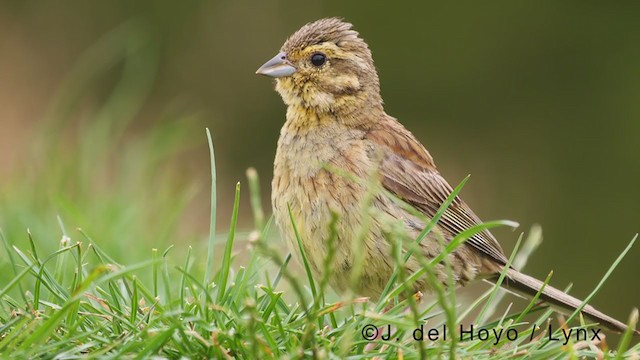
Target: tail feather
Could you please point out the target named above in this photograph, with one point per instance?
(558, 299)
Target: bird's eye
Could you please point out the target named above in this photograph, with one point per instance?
(318, 59)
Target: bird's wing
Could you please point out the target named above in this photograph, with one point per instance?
(408, 171)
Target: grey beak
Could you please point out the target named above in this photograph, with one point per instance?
(277, 67)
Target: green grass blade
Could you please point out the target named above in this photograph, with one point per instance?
(604, 279)
(303, 254)
(212, 219)
(226, 260)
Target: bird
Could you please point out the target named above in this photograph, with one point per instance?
(340, 155)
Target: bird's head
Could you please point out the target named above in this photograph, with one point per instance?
(326, 67)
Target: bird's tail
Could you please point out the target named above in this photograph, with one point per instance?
(563, 302)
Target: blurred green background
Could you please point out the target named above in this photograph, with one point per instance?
(538, 101)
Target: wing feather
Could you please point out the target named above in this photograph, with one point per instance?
(408, 171)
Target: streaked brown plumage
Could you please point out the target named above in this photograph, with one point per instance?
(335, 120)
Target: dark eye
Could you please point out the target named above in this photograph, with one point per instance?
(318, 59)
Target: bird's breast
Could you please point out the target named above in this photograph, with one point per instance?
(319, 170)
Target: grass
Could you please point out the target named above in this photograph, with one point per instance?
(128, 284)
(105, 309)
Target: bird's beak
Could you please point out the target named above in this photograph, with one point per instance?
(277, 67)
